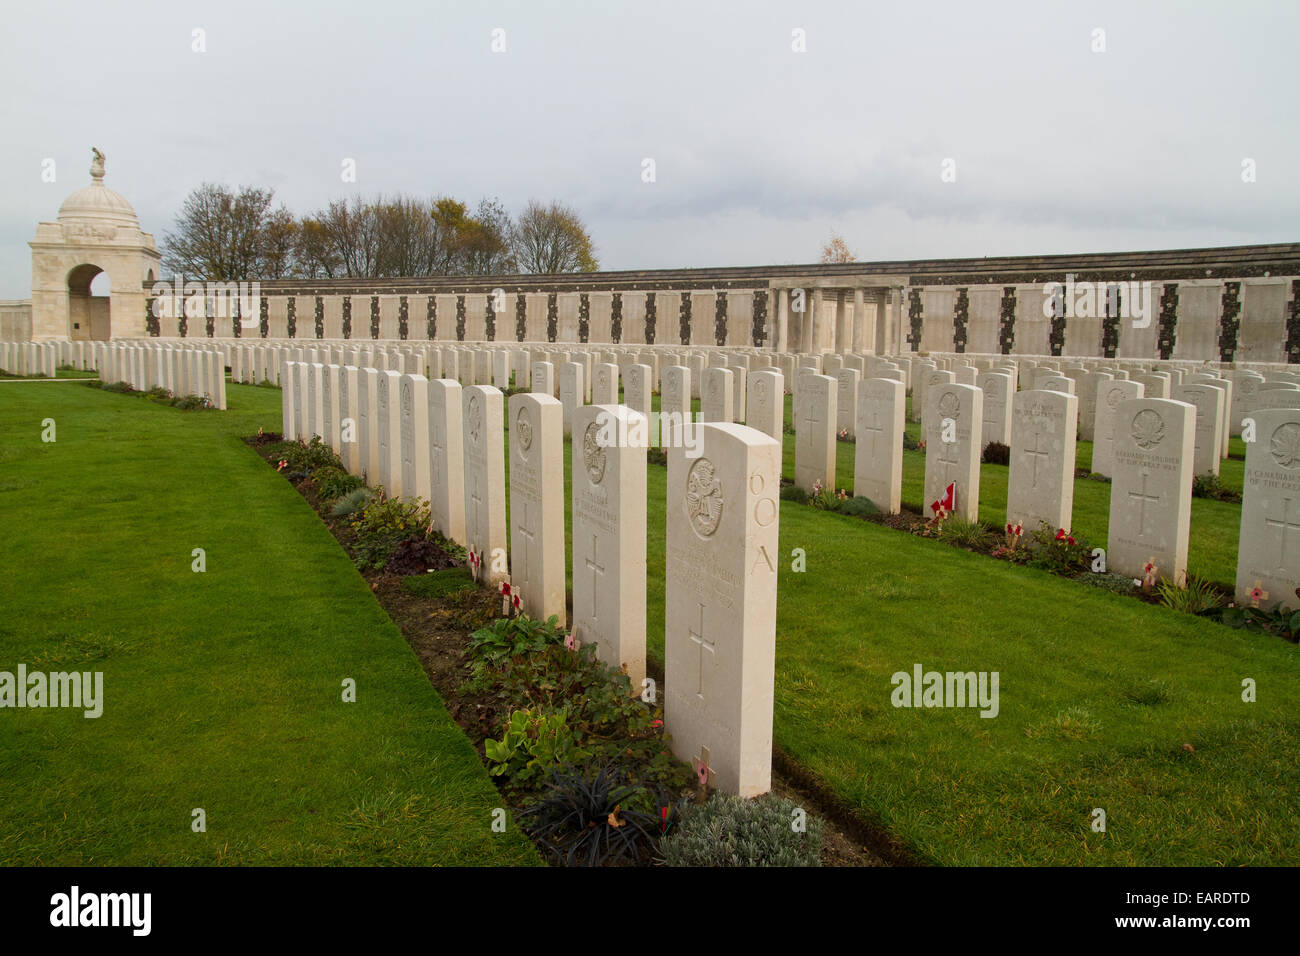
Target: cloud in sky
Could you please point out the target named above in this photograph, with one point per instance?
(759, 151)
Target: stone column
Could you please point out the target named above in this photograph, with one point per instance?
(843, 324)
(781, 320)
(862, 341)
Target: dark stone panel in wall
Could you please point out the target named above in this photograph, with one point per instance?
(320, 317)
(584, 317)
(374, 316)
(915, 318)
(960, 320)
(1229, 321)
(1167, 337)
(293, 317)
(460, 318)
(490, 319)
(403, 319)
(552, 316)
(760, 318)
(347, 316)
(1111, 322)
(1007, 321)
(684, 319)
(616, 318)
(1293, 324)
(720, 319)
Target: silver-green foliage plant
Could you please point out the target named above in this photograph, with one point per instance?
(729, 831)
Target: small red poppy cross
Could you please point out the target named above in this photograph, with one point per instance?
(703, 772)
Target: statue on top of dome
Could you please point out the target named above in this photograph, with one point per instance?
(97, 165)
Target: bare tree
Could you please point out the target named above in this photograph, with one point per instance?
(549, 239)
(219, 233)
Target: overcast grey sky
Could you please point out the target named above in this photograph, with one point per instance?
(760, 151)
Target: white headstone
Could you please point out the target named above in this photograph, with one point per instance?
(446, 459)
(537, 504)
(721, 557)
(1151, 487)
(1040, 483)
(878, 456)
(954, 417)
(485, 493)
(609, 535)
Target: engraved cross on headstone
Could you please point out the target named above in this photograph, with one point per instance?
(705, 645)
(1034, 454)
(1285, 525)
(596, 570)
(1142, 498)
(875, 428)
(948, 463)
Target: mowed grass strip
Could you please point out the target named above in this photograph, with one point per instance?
(223, 690)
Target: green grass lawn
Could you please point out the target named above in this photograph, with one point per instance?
(222, 689)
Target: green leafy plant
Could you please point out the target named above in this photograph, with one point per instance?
(964, 533)
(858, 507)
(1274, 620)
(533, 743)
(1198, 597)
(509, 637)
(729, 831)
(190, 403)
(1058, 550)
(332, 483)
(1108, 581)
(597, 698)
(382, 525)
(353, 502)
(309, 457)
(1209, 486)
(822, 498)
(911, 444)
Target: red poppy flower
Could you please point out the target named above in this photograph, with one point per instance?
(1060, 533)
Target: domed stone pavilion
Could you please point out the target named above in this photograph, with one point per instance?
(96, 231)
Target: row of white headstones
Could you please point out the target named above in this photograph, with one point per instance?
(435, 439)
(1150, 436)
(181, 369)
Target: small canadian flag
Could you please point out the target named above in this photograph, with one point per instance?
(948, 502)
